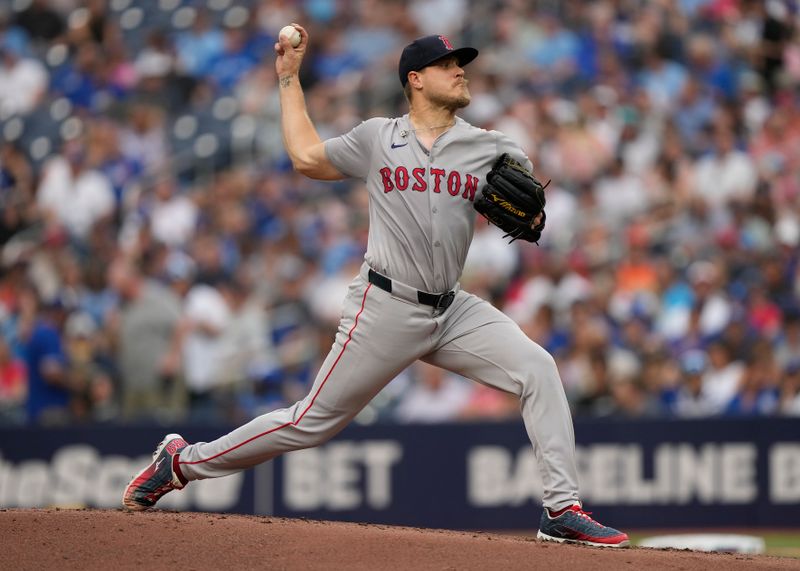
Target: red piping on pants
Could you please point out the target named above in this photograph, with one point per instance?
(294, 423)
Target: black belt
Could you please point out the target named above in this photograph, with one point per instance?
(440, 301)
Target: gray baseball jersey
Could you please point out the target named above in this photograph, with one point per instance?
(421, 225)
(421, 216)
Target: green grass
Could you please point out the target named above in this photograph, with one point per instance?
(785, 544)
(778, 543)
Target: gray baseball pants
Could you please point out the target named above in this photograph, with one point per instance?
(379, 335)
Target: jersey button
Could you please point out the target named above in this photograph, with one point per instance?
(435, 210)
(437, 243)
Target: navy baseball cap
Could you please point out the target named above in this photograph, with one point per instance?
(424, 51)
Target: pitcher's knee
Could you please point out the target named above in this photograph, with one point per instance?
(317, 429)
(542, 372)
(317, 438)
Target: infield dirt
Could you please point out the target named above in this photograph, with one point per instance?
(118, 540)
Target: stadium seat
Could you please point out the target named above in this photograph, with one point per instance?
(11, 129)
(41, 133)
(119, 5)
(182, 18)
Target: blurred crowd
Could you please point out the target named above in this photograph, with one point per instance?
(161, 262)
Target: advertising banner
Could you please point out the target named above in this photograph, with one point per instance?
(658, 474)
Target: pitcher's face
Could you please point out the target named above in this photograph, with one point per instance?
(444, 84)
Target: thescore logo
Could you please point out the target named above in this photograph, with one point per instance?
(678, 473)
(78, 476)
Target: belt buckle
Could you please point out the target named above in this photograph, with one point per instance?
(445, 300)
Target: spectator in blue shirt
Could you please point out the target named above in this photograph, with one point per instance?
(662, 78)
(335, 60)
(199, 47)
(48, 391)
(233, 63)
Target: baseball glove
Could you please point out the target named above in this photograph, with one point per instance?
(511, 200)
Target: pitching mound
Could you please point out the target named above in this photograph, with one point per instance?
(118, 540)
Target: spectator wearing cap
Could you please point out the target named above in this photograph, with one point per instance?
(690, 399)
(48, 384)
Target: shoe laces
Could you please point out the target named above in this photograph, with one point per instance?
(585, 515)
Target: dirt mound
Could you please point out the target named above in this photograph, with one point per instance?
(118, 540)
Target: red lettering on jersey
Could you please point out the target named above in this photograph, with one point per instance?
(419, 176)
(446, 42)
(438, 174)
(401, 178)
(386, 174)
(454, 183)
(470, 187)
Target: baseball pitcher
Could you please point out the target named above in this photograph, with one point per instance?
(427, 174)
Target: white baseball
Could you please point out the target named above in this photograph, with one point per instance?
(291, 33)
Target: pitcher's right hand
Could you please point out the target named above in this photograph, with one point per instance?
(288, 60)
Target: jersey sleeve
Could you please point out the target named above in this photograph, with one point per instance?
(351, 153)
(506, 145)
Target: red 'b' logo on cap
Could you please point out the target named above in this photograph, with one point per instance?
(446, 42)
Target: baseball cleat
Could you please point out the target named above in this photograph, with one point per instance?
(158, 478)
(573, 525)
